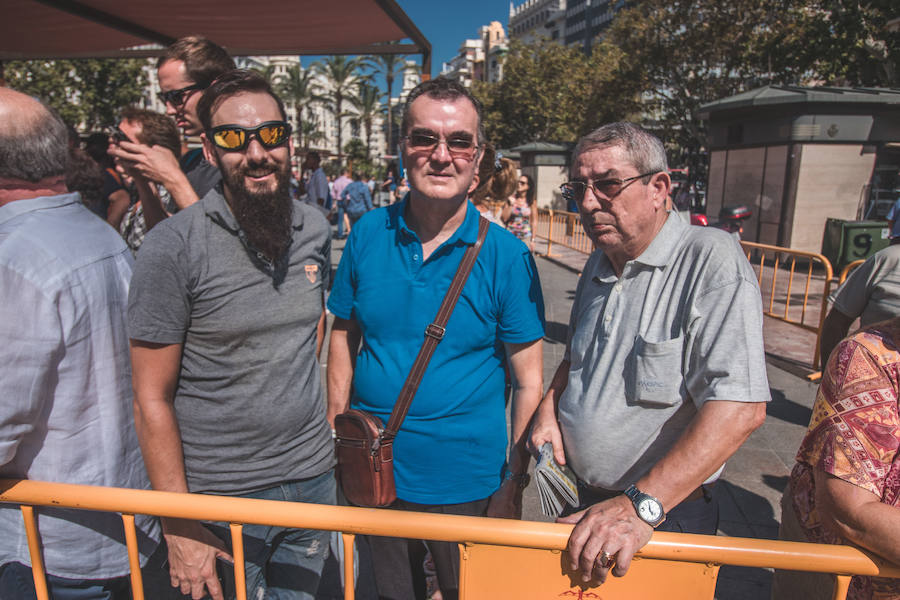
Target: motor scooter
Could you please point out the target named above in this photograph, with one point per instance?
(731, 218)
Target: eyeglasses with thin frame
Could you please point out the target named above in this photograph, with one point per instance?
(603, 188)
(233, 138)
(458, 147)
(177, 97)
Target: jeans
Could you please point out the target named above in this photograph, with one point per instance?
(17, 583)
(399, 574)
(340, 224)
(285, 563)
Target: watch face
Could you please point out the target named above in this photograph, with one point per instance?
(649, 510)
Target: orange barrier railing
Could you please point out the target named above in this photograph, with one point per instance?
(562, 228)
(845, 273)
(780, 279)
(776, 269)
(499, 558)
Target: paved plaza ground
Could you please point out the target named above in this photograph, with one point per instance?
(750, 490)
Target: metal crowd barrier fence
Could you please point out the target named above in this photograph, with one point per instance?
(562, 228)
(499, 558)
(776, 271)
(845, 273)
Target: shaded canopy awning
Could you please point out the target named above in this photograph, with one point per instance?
(32, 29)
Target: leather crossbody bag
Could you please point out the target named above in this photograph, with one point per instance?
(364, 446)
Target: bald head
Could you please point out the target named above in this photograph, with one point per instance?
(33, 141)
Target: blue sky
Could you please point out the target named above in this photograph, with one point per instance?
(446, 23)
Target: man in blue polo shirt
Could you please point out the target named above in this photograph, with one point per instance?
(450, 455)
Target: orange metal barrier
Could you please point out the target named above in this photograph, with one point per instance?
(499, 558)
(848, 269)
(781, 300)
(562, 228)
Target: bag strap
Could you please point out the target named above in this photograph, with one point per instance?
(434, 332)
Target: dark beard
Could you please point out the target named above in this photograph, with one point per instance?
(265, 217)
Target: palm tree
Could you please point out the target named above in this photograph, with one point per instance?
(367, 107)
(311, 133)
(343, 76)
(390, 65)
(298, 87)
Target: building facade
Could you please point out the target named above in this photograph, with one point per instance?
(535, 19)
(570, 22)
(479, 59)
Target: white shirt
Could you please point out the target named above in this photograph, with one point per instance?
(66, 402)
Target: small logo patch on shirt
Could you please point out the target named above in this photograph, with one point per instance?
(311, 272)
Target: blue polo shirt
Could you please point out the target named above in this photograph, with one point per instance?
(452, 446)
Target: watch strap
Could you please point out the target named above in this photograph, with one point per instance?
(636, 496)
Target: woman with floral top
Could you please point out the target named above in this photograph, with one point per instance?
(517, 212)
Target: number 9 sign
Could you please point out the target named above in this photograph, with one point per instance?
(862, 242)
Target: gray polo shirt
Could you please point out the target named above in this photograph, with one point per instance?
(249, 401)
(872, 292)
(680, 327)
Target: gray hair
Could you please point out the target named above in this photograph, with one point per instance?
(643, 150)
(34, 147)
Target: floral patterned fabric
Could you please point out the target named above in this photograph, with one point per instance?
(520, 222)
(854, 434)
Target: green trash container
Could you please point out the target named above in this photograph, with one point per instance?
(847, 241)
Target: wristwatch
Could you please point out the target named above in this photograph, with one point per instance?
(647, 507)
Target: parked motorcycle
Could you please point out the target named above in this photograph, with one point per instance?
(731, 218)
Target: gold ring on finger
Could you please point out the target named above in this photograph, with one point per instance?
(605, 559)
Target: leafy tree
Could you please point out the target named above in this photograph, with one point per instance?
(390, 65)
(684, 54)
(357, 156)
(343, 76)
(852, 45)
(85, 92)
(541, 96)
(368, 107)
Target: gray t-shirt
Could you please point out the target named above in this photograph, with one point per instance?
(680, 327)
(249, 400)
(872, 292)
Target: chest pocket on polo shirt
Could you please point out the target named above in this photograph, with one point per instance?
(655, 376)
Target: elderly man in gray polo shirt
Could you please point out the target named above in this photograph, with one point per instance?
(664, 375)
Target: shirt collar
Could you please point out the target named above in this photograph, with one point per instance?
(657, 254)
(218, 210)
(15, 208)
(467, 232)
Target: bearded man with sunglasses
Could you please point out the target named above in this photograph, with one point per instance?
(185, 69)
(226, 319)
(664, 375)
(450, 455)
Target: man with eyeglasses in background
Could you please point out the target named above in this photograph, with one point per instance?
(185, 69)
(664, 375)
(450, 455)
(226, 320)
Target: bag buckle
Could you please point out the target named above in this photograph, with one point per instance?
(435, 331)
